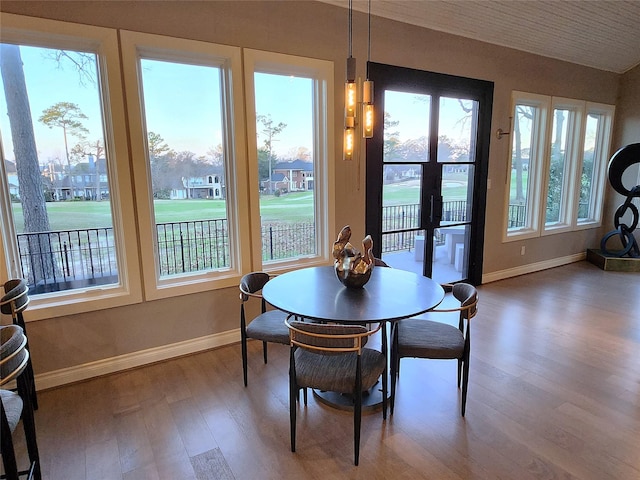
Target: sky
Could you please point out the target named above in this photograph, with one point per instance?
(182, 105)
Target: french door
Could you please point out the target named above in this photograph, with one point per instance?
(427, 172)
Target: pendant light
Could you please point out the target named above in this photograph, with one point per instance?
(367, 91)
(350, 95)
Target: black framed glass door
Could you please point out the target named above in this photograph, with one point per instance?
(427, 171)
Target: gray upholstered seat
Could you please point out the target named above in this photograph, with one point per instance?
(419, 337)
(333, 358)
(268, 326)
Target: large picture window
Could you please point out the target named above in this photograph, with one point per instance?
(65, 166)
(182, 108)
(289, 147)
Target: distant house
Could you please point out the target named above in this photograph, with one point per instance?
(12, 177)
(208, 186)
(292, 176)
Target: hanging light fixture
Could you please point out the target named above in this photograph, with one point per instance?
(350, 96)
(367, 92)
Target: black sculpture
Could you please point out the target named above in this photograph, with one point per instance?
(620, 161)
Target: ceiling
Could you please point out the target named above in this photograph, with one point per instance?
(604, 34)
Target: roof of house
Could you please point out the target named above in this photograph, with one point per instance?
(295, 165)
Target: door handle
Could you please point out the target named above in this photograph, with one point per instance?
(436, 210)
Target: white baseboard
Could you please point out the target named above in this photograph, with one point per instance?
(78, 373)
(532, 267)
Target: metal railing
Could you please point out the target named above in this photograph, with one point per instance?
(63, 260)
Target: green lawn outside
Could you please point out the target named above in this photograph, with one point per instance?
(291, 207)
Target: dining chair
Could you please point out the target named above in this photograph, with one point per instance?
(267, 326)
(421, 337)
(331, 357)
(13, 303)
(16, 406)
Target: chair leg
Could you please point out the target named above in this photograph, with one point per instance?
(243, 341)
(293, 395)
(385, 374)
(28, 421)
(459, 372)
(264, 351)
(357, 414)
(395, 363)
(465, 381)
(8, 453)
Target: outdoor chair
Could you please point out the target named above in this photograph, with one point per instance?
(14, 302)
(332, 357)
(268, 326)
(15, 406)
(420, 337)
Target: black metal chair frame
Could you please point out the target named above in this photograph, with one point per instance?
(468, 309)
(325, 343)
(15, 290)
(250, 289)
(28, 420)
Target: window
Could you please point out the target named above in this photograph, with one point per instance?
(527, 161)
(593, 169)
(184, 98)
(558, 163)
(196, 218)
(64, 147)
(289, 145)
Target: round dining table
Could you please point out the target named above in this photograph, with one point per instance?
(390, 295)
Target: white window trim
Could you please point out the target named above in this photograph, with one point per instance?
(537, 156)
(53, 34)
(135, 45)
(573, 157)
(322, 73)
(600, 165)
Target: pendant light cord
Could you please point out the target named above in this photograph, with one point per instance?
(350, 27)
(369, 42)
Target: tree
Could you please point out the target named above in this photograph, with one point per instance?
(523, 113)
(160, 157)
(67, 116)
(31, 190)
(270, 131)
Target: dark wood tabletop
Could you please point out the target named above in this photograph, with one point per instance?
(316, 293)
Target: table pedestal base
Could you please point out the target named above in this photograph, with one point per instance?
(371, 399)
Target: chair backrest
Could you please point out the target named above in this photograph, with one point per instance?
(467, 295)
(378, 262)
(13, 352)
(16, 297)
(329, 338)
(251, 283)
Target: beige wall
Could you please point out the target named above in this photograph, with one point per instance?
(314, 30)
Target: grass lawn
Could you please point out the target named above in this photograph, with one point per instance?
(291, 207)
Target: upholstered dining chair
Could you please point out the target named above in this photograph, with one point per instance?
(15, 406)
(421, 337)
(14, 303)
(268, 326)
(332, 357)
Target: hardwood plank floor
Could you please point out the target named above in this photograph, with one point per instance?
(554, 394)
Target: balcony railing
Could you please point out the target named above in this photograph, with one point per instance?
(63, 260)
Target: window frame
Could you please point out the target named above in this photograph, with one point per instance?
(136, 45)
(321, 71)
(601, 158)
(536, 169)
(45, 33)
(536, 225)
(573, 149)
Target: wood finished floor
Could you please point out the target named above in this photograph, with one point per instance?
(554, 394)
